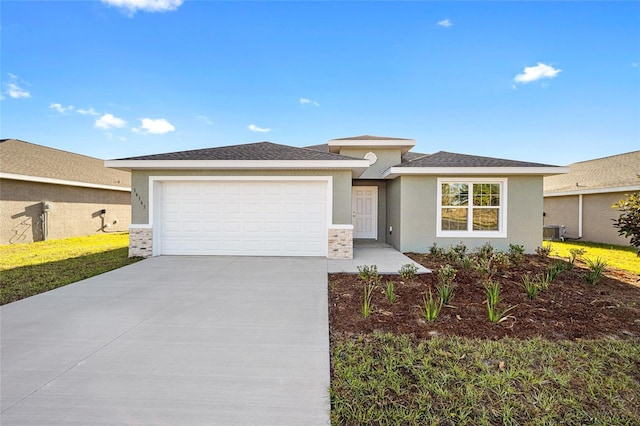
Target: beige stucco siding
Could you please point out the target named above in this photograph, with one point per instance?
(597, 216)
(418, 216)
(75, 211)
(394, 203)
(341, 188)
(386, 158)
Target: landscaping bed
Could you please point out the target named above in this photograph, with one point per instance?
(568, 309)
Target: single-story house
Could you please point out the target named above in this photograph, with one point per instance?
(47, 193)
(266, 199)
(580, 201)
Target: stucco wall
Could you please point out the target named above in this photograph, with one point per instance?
(597, 216)
(418, 203)
(341, 188)
(386, 159)
(394, 198)
(75, 211)
(382, 204)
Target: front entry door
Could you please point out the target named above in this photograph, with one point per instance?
(364, 201)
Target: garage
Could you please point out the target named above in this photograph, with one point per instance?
(257, 217)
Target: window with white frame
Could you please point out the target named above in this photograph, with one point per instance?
(472, 207)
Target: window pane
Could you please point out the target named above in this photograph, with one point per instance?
(485, 220)
(454, 219)
(455, 194)
(486, 194)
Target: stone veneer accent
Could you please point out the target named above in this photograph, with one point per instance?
(140, 242)
(340, 243)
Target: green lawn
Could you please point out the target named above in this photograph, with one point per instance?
(382, 379)
(617, 256)
(29, 269)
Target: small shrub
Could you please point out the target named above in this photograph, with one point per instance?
(366, 273)
(431, 307)
(485, 251)
(466, 263)
(434, 250)
(531, 286)
(516, 254)
(500, 261)
(445, 286)
(390, 291)
(544, 250)
(408, 271)
(596, 268)
(484, 268)
(574, 254)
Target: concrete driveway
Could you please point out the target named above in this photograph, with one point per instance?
(172, 340)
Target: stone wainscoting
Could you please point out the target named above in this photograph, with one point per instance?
(340, 242)
(140, 241)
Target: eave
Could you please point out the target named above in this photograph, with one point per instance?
(394, 172)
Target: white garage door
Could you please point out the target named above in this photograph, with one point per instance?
(249, 218)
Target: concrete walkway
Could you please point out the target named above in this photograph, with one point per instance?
(172, 340)
(386, 258)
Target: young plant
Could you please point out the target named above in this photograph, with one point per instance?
(485, 268)
(390, 291)
(431, 307)
(575, 253)
(408, 271)
(436, 251)
(554, 270)
(445, 286)
(368, 288)
(493, 298)
(596, 268)
(500, 261)
(531, 286)
(466, 262)
(544, 250)
(366, 273)
(516, 254)
(485, 251)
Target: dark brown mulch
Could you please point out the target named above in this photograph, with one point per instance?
(568, 309)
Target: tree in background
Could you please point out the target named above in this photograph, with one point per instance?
(628, 223)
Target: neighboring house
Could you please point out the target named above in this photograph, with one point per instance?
(266, 199)
(581, 200)
(46, 193)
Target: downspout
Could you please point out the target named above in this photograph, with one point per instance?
(579, 215)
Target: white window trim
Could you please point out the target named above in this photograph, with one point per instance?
(501, 233)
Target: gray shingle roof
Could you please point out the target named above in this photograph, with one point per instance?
(370, 138)
(24, 158)
(450, 159)
(608, 172)
(251, 151)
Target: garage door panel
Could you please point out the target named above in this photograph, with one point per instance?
(244, 218)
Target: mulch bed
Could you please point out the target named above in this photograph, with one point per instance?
(569, 309)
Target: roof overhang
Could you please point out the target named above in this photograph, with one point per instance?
(52, 181)
(403, 144)
(393, 172)
(356, 166)
(632, 188)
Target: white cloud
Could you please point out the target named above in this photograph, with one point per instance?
(204, 119)
(304, 101)
(89, 111)
(634, 65)
(536, 73)
(14, 90)
(61, 109)
(132, 6)
(154, 126)
(107, 121)
(255, 128)
(445, 23)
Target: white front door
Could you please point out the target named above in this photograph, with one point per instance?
(364, 201)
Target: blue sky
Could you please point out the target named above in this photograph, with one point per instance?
(552, 82)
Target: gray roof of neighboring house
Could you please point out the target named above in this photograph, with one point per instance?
(615, 171)
(450, 159)
(251, 151)
(25, 158)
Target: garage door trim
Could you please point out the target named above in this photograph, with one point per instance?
(155, 197)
